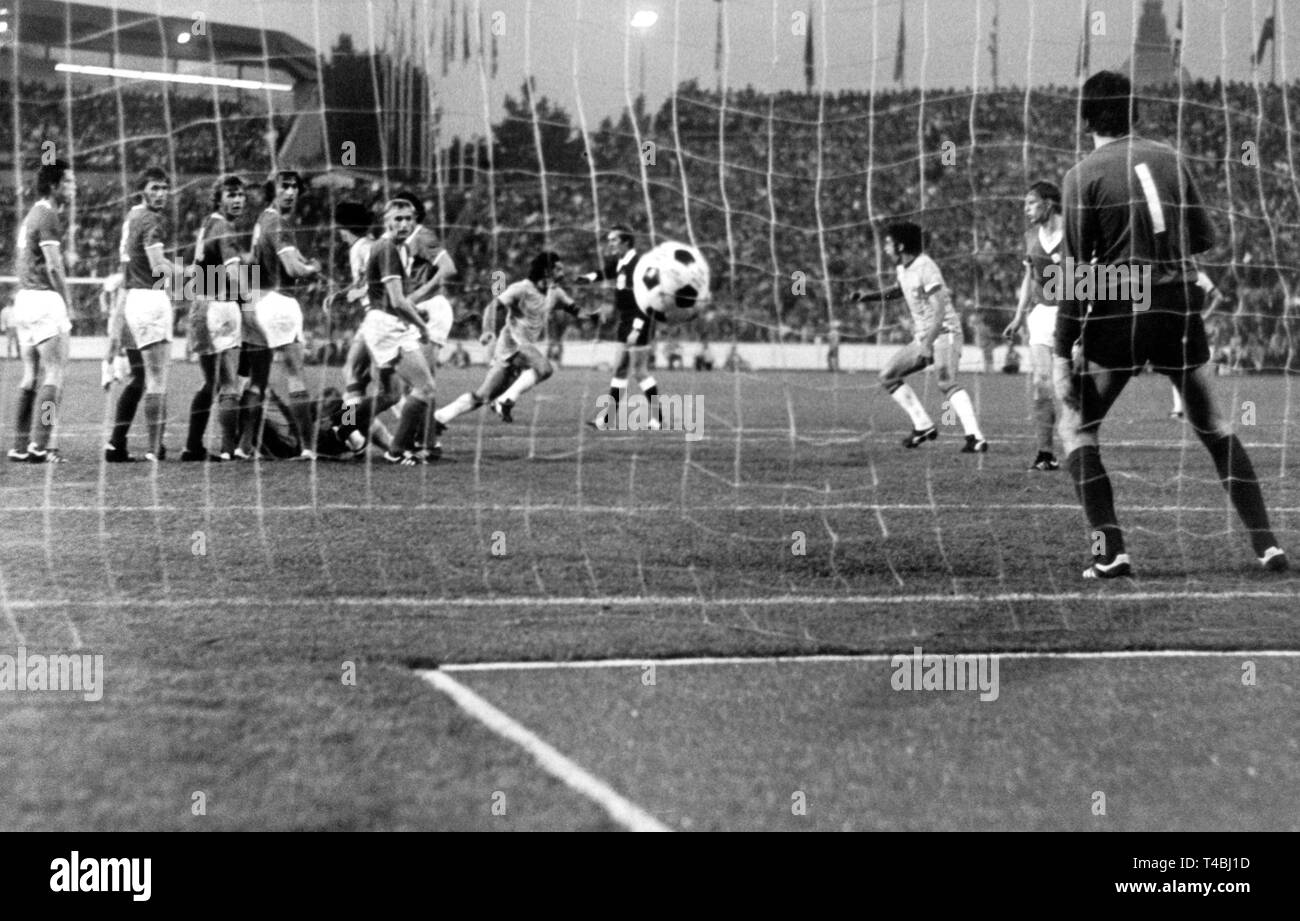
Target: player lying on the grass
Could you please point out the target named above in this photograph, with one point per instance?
(636, 327)
(274, 324)
(938, 338)
(279, 434)
(215, 322)
(393, 333)
(147, 312)
(1117, 336)
(1042, 250)
(41, 315)
(528, 305)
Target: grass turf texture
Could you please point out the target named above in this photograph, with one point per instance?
(223, 667)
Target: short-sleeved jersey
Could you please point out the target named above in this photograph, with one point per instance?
(272, 235)
(1041, 252)
(215, 245)
(42, 225)
(388, 259)
(143, 229)
(528, 308)
(358, 260)
(1131, 203)
(923, 285)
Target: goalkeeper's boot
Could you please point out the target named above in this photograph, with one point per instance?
(975, 444)
(1045, 461)
(17, 455)
(1115, 569)
(37, 456)
(920, 437)
(113, 454)
(1274, 560)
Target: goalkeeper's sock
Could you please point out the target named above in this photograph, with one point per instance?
(527, 381)
(959, 400)
(1238, 477)
(409, 423)
(127, 402)
(458, 407)
(1092, 484)
(650, 387)
(906, 397)
(23, 421)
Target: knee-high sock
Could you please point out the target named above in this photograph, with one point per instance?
(127, 402)
(201, 405)
(300, 409)
(617, 387)
(906, 397)
(959, 400)
(409, 423)
(1238, 477)
(527, 381)
(250, 420)
(650, 387)
(155, 416)
(1092, 484)
(47, 403)
(1044, 421)
(23, 419)
(458, 407)
(228, 421)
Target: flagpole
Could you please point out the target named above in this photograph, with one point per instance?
(1272, 70)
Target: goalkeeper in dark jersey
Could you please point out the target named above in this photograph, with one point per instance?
(1131, 205)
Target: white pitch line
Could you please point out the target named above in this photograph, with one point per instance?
(624, 509)
(622, 810)
(632, 601)
(1118, 654)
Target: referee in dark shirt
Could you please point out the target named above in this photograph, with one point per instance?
(1131, 203)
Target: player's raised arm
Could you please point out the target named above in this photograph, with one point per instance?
(862, 295)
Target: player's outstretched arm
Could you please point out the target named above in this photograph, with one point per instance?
(489, 322)
(884, 294)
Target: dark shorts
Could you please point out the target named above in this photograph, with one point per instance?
(644, 337)
(1169, 335)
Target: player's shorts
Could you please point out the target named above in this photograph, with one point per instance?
(1042, 325)
(38, 316)
(947, 356)
(215, 326)
(644, 337)
(148, 313)
(279, 319)
(439, 317)
(117, 328)
(511, 347)
(1169, 334)
(387, 337)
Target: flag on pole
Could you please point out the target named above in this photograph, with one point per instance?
(1265, 36)
(717, 42)
(494, 54)
(1081, 59)
(902, 45)
(809, 68)
(1178, 38)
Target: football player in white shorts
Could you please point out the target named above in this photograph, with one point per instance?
(1042, 251)
(41, 315)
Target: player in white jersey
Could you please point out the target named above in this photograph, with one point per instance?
(938, 338)
(528, 305)
(1042, 252)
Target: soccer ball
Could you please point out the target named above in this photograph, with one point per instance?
(672, 281)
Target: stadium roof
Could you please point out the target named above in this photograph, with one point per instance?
(85, 27)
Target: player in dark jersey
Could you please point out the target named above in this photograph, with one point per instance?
(41, 315)
(273, 321)
(215, 321)
(1043, 243)
(148, 312)
(636, 327)
(1131, 203)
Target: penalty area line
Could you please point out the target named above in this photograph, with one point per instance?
(843, 658)
(619, 808)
